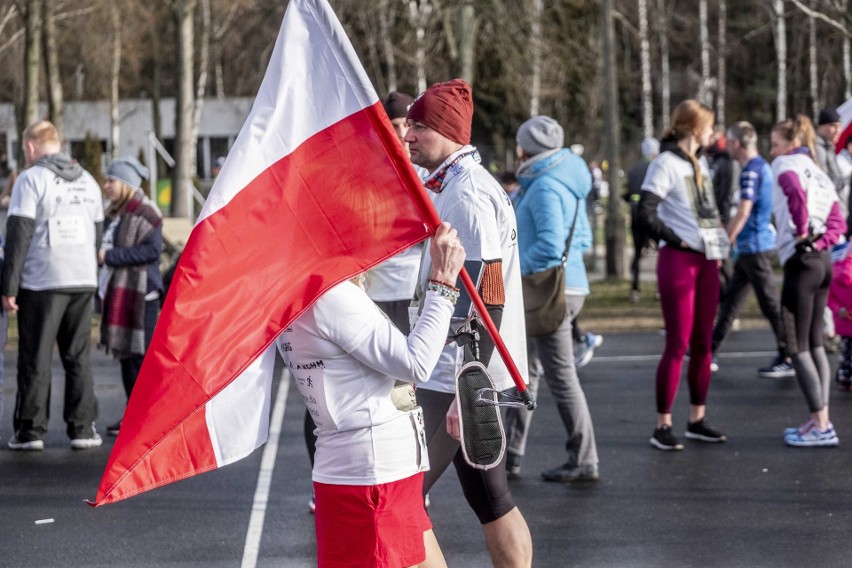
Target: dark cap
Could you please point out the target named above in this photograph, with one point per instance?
(828, 116)
(396, 105)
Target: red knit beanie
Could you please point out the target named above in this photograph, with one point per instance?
(446, 108)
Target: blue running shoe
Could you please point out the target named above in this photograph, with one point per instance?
(592, 343)
(813, 438)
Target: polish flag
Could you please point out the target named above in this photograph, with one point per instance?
(845, 112)
(315, 190)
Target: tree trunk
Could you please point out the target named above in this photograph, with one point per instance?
(812, 66)
(54, 81)
(467, 41)
(535, 57)
(201, 85)
(847, 68)
(114, 131)
(703, 87)
(156, 96)
(184, 109)
(645, 48)
(847, 60)
(722, 65)
(387, 43)
(32, 58)
(418, 15)
(780, 56)
(665, 74)
(615, 237)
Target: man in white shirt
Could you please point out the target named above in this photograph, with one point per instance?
(471, 200)
(49, 278)
(391, 284)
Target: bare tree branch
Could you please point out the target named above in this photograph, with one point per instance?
(823, 17)
(634, 31)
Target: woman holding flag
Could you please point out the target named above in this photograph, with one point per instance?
(354, 370)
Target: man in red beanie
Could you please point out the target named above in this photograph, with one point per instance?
(468, 197)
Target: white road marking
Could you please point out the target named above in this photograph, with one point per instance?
(264, 476)
(656, 357)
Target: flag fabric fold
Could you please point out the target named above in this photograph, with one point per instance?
(315, 190)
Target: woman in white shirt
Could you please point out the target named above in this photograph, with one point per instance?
(353, 369)
(809, 222)
(677, 208)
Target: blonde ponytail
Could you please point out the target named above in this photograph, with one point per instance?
(687, 117)
(804, 131)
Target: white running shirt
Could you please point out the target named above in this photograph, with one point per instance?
(344, 356)
(475, 205)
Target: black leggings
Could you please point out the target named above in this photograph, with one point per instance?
(487, 492)
(807, 276)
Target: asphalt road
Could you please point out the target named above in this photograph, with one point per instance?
(748, 502)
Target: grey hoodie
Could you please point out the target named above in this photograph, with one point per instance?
(62, 165)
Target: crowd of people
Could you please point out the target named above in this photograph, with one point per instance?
(716, 211)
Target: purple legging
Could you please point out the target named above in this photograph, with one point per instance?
(689, 294)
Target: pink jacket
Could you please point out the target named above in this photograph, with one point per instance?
(840, 295)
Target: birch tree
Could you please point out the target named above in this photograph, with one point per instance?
(665, 74)
(536, 45)
(780, 30)
(722, 64)
(114, 131)
(460, 27)
(32, 57)
(812, 66)
(201, 82)
(51, 59)
(385, 25)
(418, 16)
(184, 11)
(703, 87)
(615, 233)
(645, 54)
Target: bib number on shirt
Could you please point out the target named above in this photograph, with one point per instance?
(67, 230)
(716, 244)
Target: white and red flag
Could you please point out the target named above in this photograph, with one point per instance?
(315, 190)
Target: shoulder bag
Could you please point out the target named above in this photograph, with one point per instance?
(544, 293)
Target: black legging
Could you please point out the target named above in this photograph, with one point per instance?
(807, 276)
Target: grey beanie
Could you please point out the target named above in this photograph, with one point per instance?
(129, 170)
(650, 147)
(540, 134)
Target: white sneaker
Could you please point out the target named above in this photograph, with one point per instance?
(87, 443)
(593, 341)
(31, 446)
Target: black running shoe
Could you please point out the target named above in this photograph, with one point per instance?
(703, 432)
(664, 439)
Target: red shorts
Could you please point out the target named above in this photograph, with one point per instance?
(367, 526)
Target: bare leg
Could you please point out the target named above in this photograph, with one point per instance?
(696, 412)
(434, 556)
(509, 541)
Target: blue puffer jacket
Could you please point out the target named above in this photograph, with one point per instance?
(555, 183)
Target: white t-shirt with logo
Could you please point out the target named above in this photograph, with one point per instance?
(684, 208)
(62, 250)
(480, 211)
(345, 356)
(820, 193)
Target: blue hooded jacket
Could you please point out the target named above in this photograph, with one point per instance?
(555, 183)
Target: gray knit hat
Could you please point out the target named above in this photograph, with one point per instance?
(540, 134)
(129, 170)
